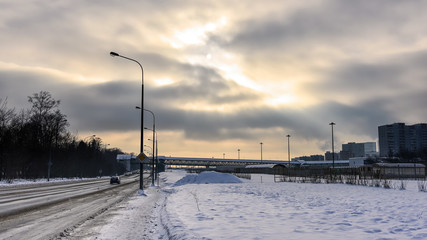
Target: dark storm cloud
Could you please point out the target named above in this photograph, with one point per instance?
(202, 84)
(111, 106)
(310, 124)
(395, 85)
(337, 25)
(358, 119)
(396, 73)
(18, 85)
(92, 107)
(103, 107)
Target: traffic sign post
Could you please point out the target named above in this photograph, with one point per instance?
(142, 157)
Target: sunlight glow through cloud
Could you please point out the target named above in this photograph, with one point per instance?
(222, 60)
(195, 35)
(280, 100)
(163, 81)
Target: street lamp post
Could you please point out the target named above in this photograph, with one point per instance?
(157, 162)
(333, 153)
(238, 153)
(261, 150)
(289, 151)
(141, 148)
(154, 131)
(153, 156)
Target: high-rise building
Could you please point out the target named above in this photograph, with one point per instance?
(353, 149)
(397, 137)
(420, 136)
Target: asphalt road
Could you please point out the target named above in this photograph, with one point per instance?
(46, 211)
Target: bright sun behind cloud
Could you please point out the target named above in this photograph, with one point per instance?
(225, 62)
(281, 100)
(163, 81)
(195, 35)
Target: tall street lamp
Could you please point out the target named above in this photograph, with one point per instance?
(157, 162)
(238, 153)
(333, 153)
(152, 153)
(289, 151)
(261, 150)
(154, 131)
(141, 147)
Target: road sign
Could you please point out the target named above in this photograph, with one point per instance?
(141, 157)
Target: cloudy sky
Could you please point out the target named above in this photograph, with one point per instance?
(221, 75)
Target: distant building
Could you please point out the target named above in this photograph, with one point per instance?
(417, 137)
(352, 149)
(345, 155)
(397, 137)
(310, 158)
(328, 156)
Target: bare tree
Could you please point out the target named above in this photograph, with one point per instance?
(47, 123)
(6, 116)
(42, 117)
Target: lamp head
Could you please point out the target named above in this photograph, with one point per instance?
(114, 54)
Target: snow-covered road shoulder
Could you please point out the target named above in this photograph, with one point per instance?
(135, 218)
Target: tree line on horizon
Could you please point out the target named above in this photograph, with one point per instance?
(35, 143)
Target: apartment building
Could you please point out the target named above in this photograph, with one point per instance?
(397, 137)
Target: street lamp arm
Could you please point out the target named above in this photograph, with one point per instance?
(154, 117)
(114, 54)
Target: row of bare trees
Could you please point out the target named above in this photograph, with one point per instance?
(36, 143)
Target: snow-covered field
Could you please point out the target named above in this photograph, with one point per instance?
(220, 206)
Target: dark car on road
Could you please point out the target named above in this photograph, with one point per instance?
(115, 179)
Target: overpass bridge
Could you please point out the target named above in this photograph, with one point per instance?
(132, 163)
(188, 162)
